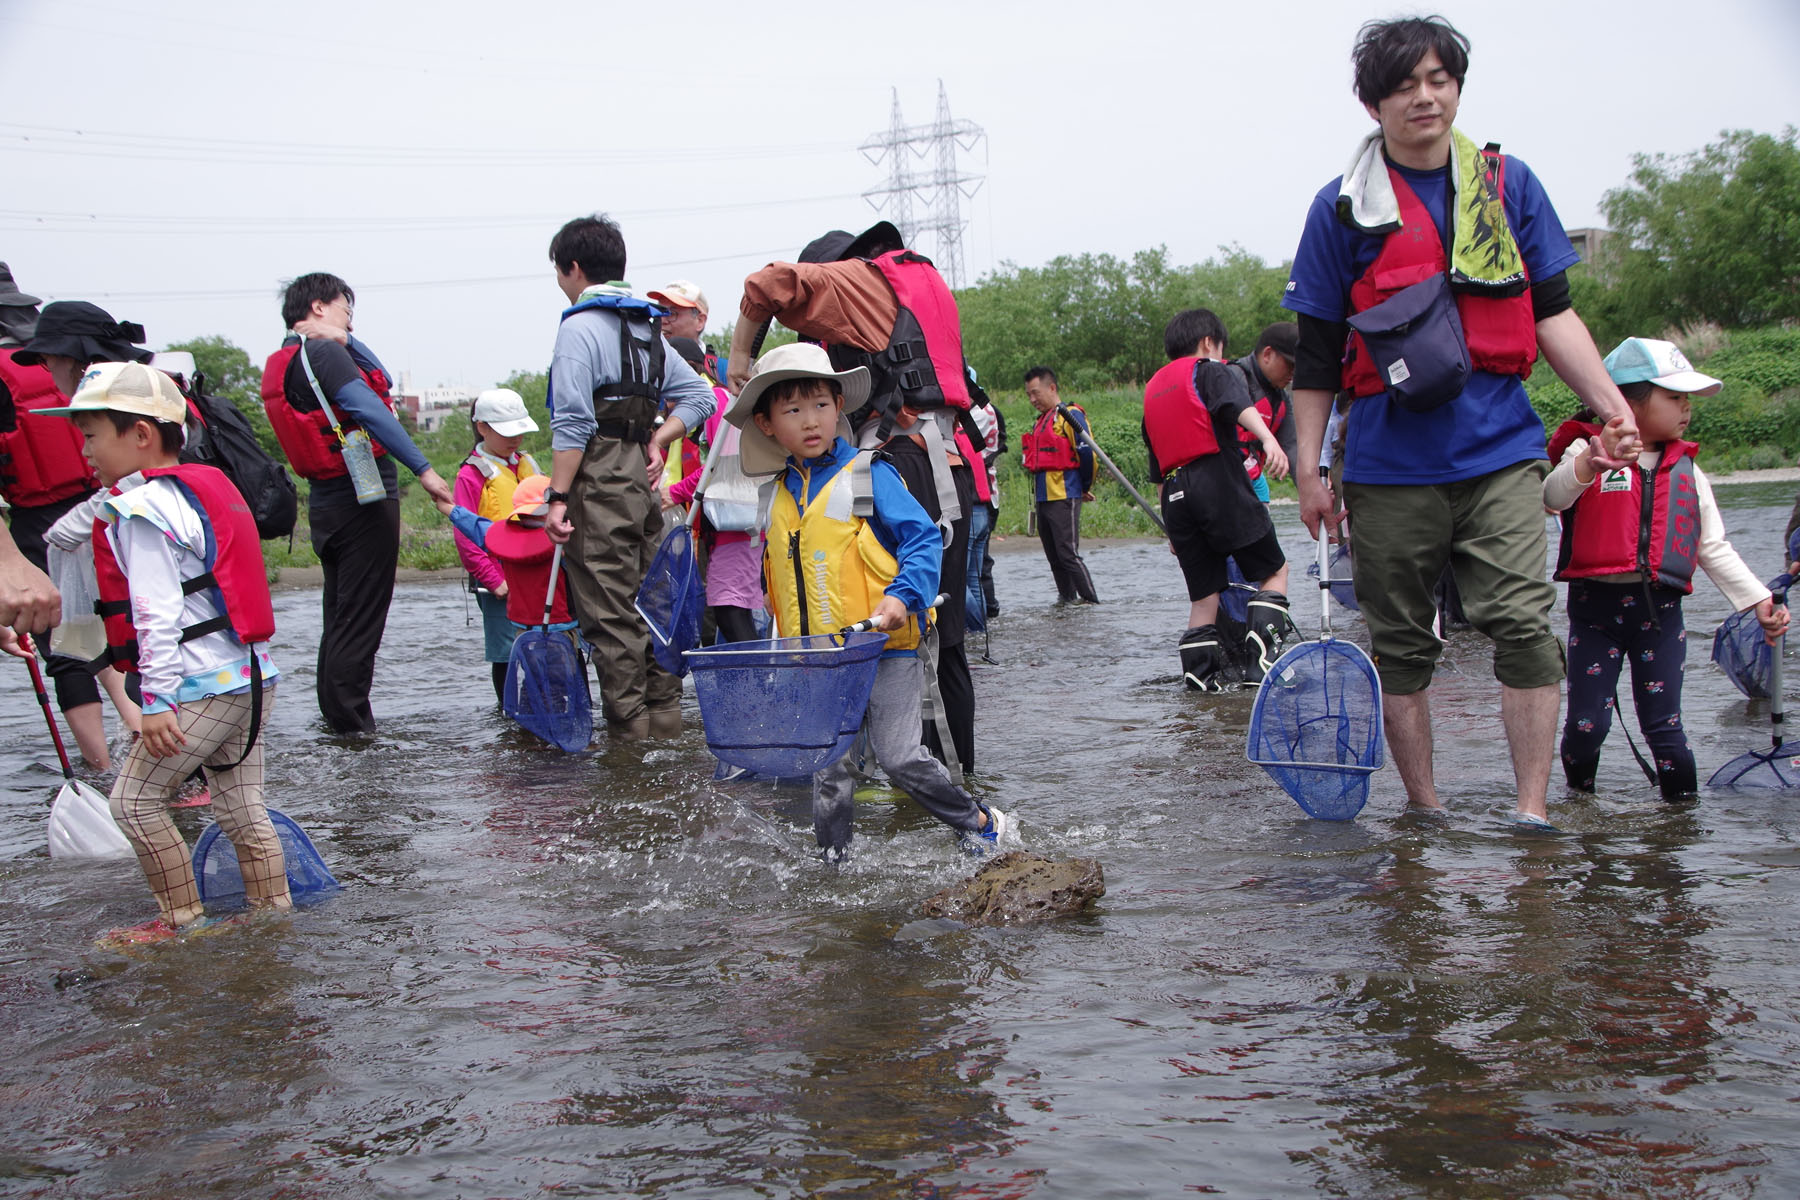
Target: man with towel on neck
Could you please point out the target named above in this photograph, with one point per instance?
(1428, 280)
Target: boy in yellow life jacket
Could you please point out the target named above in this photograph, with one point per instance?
(846, 542)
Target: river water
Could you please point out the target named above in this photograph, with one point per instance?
(604, 974)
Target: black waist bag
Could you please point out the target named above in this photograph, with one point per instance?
(1415, 341)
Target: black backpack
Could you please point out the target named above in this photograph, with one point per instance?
(222, 438)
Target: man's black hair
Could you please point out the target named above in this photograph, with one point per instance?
(592, 243)
(788, 387)
(1283, 337)
(297, 299)
(1041, 373)
(1388, 51)
(1188, 328)
(171, 433)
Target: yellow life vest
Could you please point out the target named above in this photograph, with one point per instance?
(823, 566)
(502, 481)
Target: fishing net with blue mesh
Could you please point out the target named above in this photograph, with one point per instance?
(1316, 724)
(221, 882)
(785, 706)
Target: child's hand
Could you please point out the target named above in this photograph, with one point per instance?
(499, 590)
(888, 616)
(161, 734)
(1275, 459)
(1619, 443)
(11, 643)
(444, 506)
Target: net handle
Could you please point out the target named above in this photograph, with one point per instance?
(867, 623)
(1324, 582)
(550, 593)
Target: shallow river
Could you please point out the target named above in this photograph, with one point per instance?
(606, 975)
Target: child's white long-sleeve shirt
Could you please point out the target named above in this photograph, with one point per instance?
(160, 540)
(1716, 557)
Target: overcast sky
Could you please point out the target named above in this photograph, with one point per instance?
(175, 162)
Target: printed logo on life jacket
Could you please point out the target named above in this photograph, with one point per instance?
(821, 588)
(1684, 515)
(1617, 480)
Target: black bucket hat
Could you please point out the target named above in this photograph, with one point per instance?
(10, 295)
(840, 244)
(79, 330)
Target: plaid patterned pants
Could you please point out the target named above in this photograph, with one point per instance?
(215, 729)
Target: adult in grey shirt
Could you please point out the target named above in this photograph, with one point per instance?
(610, 375)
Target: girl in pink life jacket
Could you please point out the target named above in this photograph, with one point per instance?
(1631, 540)
(485, 485)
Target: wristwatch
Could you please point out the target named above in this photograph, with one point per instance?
(552, 496)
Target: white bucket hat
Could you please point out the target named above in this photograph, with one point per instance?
(760, 453)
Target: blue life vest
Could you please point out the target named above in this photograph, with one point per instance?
(631, 311)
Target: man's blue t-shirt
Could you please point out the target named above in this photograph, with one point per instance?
(1491, 425)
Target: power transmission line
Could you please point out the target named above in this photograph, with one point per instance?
(942, 187)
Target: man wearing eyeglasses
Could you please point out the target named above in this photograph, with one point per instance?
(358, 543)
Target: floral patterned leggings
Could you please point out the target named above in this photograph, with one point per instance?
(1609, 623)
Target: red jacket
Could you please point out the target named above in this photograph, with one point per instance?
(1500, 330)
(525, 554)
(1615, 527)
(1176, 419)
(305, 433)
(235, 573)
(40, 457)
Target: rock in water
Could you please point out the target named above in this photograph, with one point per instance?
(1020, 887)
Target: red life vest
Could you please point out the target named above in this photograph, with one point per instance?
(525, 554)
(923, 360)
(1500, 330)
(1047, 450)
(1274, 410)
(40, 457)
(1176, 419)
(303, 430)
(1615, 526)
(984, 491)
(235, 576)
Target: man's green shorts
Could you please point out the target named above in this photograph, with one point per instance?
(1490, 531)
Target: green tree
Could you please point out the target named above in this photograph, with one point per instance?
(1713, 235)
(1098, 320)
(230, 375)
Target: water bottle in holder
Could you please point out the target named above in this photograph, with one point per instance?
(357, 448)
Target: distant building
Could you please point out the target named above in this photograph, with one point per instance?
(1588, 242)
(430, 407)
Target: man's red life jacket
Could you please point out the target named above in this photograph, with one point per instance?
(1047, 450)
(302, 429)
(525, 556)
(235, 574)
(1615, 526)
(1500, 330)
(923, 361)
(1176, 419)
(40, 457)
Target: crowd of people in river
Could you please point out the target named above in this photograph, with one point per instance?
(855, 482)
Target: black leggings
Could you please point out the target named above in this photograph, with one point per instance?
(1608, 624)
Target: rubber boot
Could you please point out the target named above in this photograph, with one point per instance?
(634, 730)
(665, 722)
(1579, 775)
(1205, 667)
(1271, 629)
(1678, 781)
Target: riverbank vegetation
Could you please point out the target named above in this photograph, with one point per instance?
(1704, 251)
